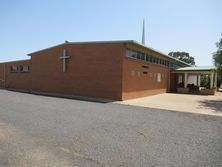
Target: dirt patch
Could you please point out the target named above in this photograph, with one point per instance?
(3, 136)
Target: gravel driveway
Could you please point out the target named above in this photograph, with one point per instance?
(40, 131)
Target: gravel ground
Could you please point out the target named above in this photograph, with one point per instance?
(40, 131)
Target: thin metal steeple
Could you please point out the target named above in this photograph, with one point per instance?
(143, 34)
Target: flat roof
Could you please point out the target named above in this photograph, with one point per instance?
(14, 61)
(117, 41)
(200, 68)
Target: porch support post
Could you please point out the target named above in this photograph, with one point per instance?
(185, 80)
(211, 80)
(215, 81)
(198, 80)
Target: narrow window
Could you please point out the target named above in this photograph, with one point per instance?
(138, 56)
(142, 56)
(180, 79)
(158, 62)
(158, 77)
(128, 53)
(25, 68)
(147, 58)
(13, 68)
(134, 55)
(21, 68)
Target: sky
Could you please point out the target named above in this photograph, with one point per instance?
(193, 26)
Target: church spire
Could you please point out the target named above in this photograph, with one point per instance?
(143, 34)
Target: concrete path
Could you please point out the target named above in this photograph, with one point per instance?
(210, 105)
(40, 131)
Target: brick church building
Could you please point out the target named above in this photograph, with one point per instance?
(115, 70)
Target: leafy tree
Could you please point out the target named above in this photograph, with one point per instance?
(217, 58)
(183, 56)
(205, 81)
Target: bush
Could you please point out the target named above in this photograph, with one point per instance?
(181, 85)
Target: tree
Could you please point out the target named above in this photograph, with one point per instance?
(217, 58)
(183, 56)
(205, 81)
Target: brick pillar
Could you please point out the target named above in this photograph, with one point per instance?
(211, 80)
(215, 81)
(198, 80)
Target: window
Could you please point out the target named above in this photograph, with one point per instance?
(134, 55)
(164, 62)
(24, 68)
(142, 56)
(21, 68)
(158, 61)
(152, 59)
(180, 79)
(138, 55)
(158, 77)
(147, 58)
(13, 68)
(129, 53)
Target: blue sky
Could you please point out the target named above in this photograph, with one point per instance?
(193, 26)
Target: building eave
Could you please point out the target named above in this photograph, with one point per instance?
(14, 61)
(83, 42)
(196, 69)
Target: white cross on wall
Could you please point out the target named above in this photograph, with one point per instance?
(64, 57)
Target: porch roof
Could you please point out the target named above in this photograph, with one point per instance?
(196, 69)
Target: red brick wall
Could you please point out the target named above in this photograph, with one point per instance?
(99, 70)
(93, 70)
(1, 75)
(137, 84)
(16, 80)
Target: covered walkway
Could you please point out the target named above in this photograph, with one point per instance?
(196, 80)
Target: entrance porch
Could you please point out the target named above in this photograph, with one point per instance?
(194, 80)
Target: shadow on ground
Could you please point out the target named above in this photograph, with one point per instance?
(56, 95)
(215, 105)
